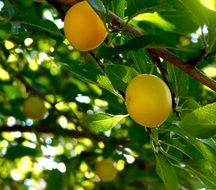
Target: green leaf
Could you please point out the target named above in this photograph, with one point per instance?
(188, 106)
(19, 151)
(197, 10)
(207, 152)
(212, 38)
(4, 35)
(12, 92)
(120, 75)
(211, 33)
(101, 122)
(166, 172)
(203, 171)
(179, 80)
(167, 16)
(200, 168)
(210, 143)
(10, 8)
(135, 6)
(184, 148)
(98, 5)
(28, 18)
(117, 7)
(201, 122)
(56, 180)
(204, 16)
(156, 19)
(105, 83)
(145, 41)
(141, 60)
(90, 73)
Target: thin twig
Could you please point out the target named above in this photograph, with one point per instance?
(164, 75)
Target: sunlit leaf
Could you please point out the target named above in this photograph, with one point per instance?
(101, 122)
(120, 75)
(188, 106)
(201, 122)
(156, 19)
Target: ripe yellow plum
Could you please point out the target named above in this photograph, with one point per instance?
(148, 100)
(34, 107)
(106, 170)
(83, 28)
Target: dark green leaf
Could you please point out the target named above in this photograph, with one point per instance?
(4, 35)
(90, 73)
(19, 151)
(141, 60)
(56, 180)
(120, 75)
(166, 172)
(10, 8)
(211, 33)
(203, 171)
(188, 106)
(30, 19)
(203, 16)
(200, 168)
(179, 80)
(207, 152)
(145, 41)
(184, 148)
(197, 10)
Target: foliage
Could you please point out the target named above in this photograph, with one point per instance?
(84, 95)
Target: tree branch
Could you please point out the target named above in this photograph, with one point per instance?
(63, 132)
(170, 57)
(185, 66)
(164, 75)
(57, 132)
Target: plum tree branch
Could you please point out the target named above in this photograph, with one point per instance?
(185, 66)
(56, 132)
(63, 132)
